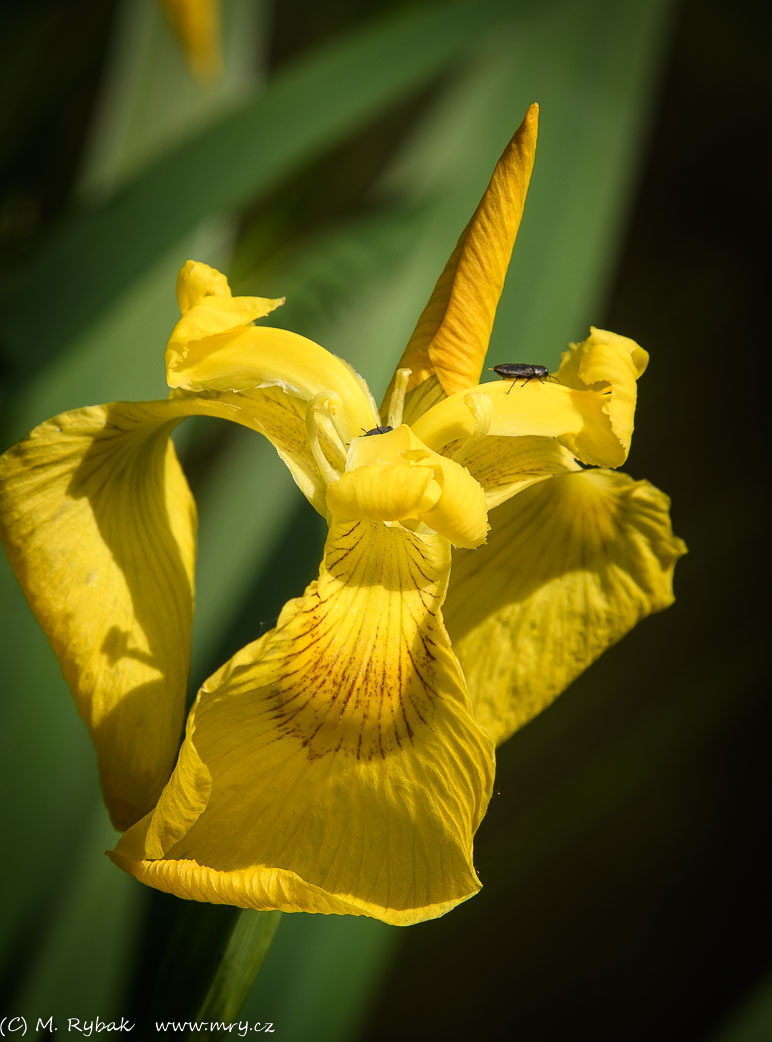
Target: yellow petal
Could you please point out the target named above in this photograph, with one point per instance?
(207, 307)
(589, 405)
(421, 399)
(605, 367)
(506, 466)
(460, 513)
(571, 565)
(214, 348)
(534, 409)
(279, 417)
(384, 492)
(332, 766)
(452, 334)
(99, 526)
(394, 477)
(197, 23)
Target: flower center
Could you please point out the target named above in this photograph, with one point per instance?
(394, 477)
(482, 412)
(397, 400)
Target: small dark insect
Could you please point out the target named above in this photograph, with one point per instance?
(515, 371)
(377, 430)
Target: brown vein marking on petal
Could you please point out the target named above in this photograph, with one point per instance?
(357, 664)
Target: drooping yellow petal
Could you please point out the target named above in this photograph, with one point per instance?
(394, 477)
(197, 23)
(333, 766)
(451, 337)
(571, 565)
(214, 348)
(99, 525)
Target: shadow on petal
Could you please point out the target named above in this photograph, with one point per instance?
(100, 528)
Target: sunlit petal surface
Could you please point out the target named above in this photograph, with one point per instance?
(589, 404)
(100, 526)
(571, 565)
(506, 466)
(333, 766)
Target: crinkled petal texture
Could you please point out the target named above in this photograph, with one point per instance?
(99, 525)
(333, 766)
(572, 563)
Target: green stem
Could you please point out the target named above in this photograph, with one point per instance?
(204, 971)
(242, 954)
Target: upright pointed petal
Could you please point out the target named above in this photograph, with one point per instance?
(332, 766)
(571, 565)
(451, 337)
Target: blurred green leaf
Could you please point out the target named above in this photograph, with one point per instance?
(752, 1022)
(321, 975)
(68, 936)
(88, 944)
(41, 740)
(100, 251)
(239, 963)
(359, 286)
(149, 103)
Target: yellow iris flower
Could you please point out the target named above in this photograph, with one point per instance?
(342, 762)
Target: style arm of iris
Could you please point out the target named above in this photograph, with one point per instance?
(534, 409)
